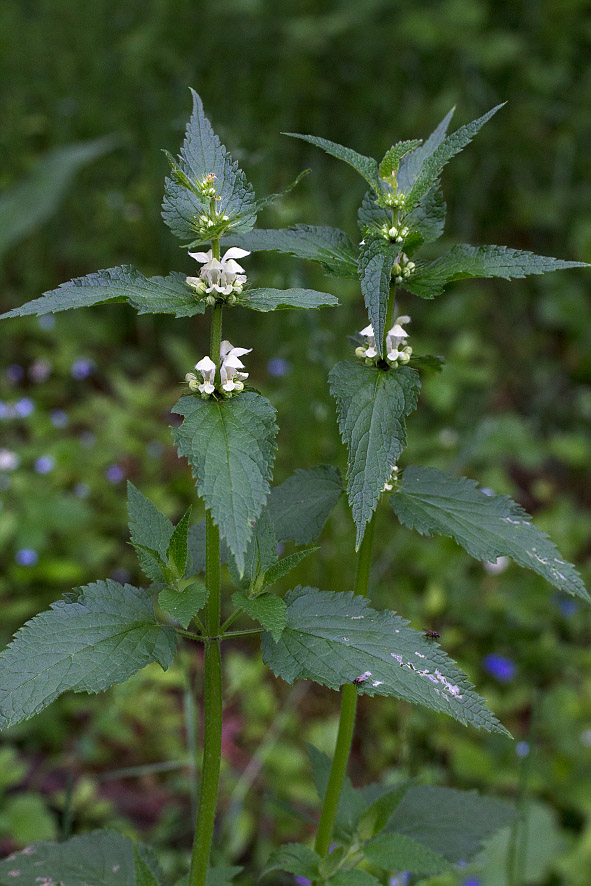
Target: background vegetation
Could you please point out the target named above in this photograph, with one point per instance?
(84, 400)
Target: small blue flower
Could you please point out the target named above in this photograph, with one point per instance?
(402, 878)
(24, 407)
(3, 410)
(26, 557)
(46, 321)
(278, 367)
(44, 464)
(472, 881)
(14, 373)
(302, 881)
(522, 748)
(82, 368)
(566, 606)
(59, 418)
(499, 667)
(114, 473)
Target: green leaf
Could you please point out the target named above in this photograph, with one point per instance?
(372, 405)
(427, 362)
(230, 444)
(177, 551)
(271, 198)
(86, 645)
(331, 862)
(284, 566)
(185, 604)
(398, 852)
(32, 201)
(393, 156)
(377, 815)
(353, 878)
(295, 858)
(150, 532)
(196, 545)
(334, 638)
(426, 221)
(149, 295)
(275, 299)
(300, 506)
(455, 824)
(464, 261)
(434, 163)
(261, 553)
(376, 260)
(365, 166)
(202, 153)
(101, 858)
(371, 215)
(486, 526)
(270, 611)
(412, 163)
(221, 875)
(351, 802)
(143, 873)
(329, 246)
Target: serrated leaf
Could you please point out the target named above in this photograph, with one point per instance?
(277, 299)
(372, 405)
(333, 638)
(464, 261)
(398, 852)
(486, 526)
(196, 545)
(177, 551)
(393, 156)
(150, 532)
(434, 163)
(230, 445)
(453, 823)
(351, 802)
(143, 873)
(284, 566)
(271, 198)
(221, 875)
(148, 295)
(101, 858)
(294, 858)
(377, 815)
(370, 215)
(185, 604)
(105, 636)
(261, 553)
(411, 164)
(331, 862)
(367, 167)
(427, 362)
(353, 878)
(376, 260)
(426, 221)
(201, 154)
(329, 246)
(300, 506)
(270, 611)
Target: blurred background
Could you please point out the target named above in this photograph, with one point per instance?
(90, 95)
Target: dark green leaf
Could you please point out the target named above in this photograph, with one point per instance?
(300, 506)
(185, 604)
(486, 526)
(275, 299)
(393, 156)
(284, 566)
(372, 405)
(295, 858)
(270, 611)
(143, 873)
(196, 545)
(365, 166)
(351, 802)
(427, 362)
(149, 295)
(411, 164)
(150, 532)
(329, 246)
(177, 551)
(353, 878)
(464, 261)
(261, 553)
(376, 260)
(271, 198)
(370, 215)
(377, 815)
(230, 444)
(334, 638)
(398, 852)
(426, 221)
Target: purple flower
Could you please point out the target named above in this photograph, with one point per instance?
(401, 879)
(46, 321)
(114, 473)
(14, 373)
(472, 881)
(278, 367)
(59, 418)
(26, 557)
(3, 410)
(567, 607)
(44, 464)
(499, 667)
(24, 407)
(39, 370)
(522, 748)
(82, 368)
(302, 881)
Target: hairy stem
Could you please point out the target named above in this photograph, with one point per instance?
(347, 719)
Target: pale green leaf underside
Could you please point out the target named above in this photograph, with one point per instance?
(300, 506)
(333, 638)
(202, 153)
(365, 166)
(274, 299)
(376, 259)
(372, 405)
(329, 246)
(230, 445)
(412, 163)
(270, 611)
(148, 528)
(148, 295)
(399, 852)
(464, 261)
(486, 526)
(103, 637)
(101, 858)
(185, 604)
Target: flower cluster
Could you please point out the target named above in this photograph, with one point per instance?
(394, 481)
(219, 277)
(396, 201)
(394, 233)
(403, 269)
(231, 375)
(396, 355)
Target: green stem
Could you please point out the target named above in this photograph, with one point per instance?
(347, 718)
(229, 634)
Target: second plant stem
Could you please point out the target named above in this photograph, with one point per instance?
(347, 718)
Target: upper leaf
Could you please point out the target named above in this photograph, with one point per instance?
(295, 858)
(270, 611)
(103, 637)
(329, 246)
(426, 221)
(376, 259)
(149, 529)
(230, 444)
(486, 526)
(148, 295)
(365, 166)
(464, 261)
(183, 605)
(399, 852)
(261, 553)
(177, 552)
(393, 156)
(372, 405)
(412, 163)
(202, 154)
(300, 506)
(274, 299)
(334, 638)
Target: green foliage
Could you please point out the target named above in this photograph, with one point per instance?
(372, 405)
(398, 852)
(275, 299)
(391, 159)
(184, 604)
(177, 551)
(151, 533)
(351, 802)
(367, 167)
(376, 816)
(353, 878)
(300, 506)
(334, 638)
(270, 611)
(486, 526)
(284, 566)
(154, 295)
(230, 445)
(295, 858)
(376, 259)
(412, 163)
(463, 261)
(143, 872)
(328, 246)
(102, 637)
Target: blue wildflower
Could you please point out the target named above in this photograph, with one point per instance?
(499, 667)
(114, 473)
(82, 368)
(522, 748)
(278, 367)
(59, 418)
(46, 321)
(44, 464)
(24, 407)
(14, 373)
(26, 557)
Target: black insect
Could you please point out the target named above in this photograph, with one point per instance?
(361, 678)
(431, 635)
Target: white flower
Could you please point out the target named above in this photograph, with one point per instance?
(370, 351)
(232, 378)
(395, 337)
(9, 461)
(206, 367)
(223, 275)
